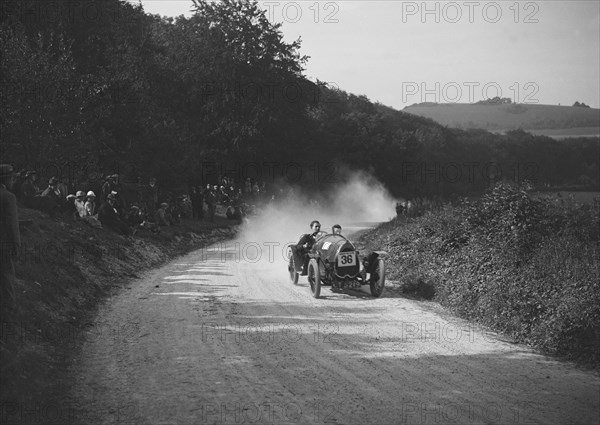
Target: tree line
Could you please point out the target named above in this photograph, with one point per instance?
(102, 79)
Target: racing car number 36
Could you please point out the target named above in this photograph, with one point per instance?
(345, 260)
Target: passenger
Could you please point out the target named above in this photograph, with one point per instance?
(336, 229)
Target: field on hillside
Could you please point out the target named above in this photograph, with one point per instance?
(580, 121)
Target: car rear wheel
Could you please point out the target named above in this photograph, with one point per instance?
(377, 279)
(292, 269)
(314, 278)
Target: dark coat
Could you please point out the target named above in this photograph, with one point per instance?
(29, 189)
(308, 239)
(110, 218)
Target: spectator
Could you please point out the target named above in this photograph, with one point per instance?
(117, 188)
(29, 188)
(210, 197)
(10, 238)
(248, 187)
(108, 216)
(133, 218)
(223, 197)
(52, 191)
(70, 206)
(160, 217)
(86, 210)
(80, 204)
(63, 188)
(174, 212)
(147, 223)
(197, 201)
(399, 209)
(107, 187)
(118, 203)
(16, 188)
(90, 203)
(152, 194)
(51, 201)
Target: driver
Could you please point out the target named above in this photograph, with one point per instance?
(305, 244)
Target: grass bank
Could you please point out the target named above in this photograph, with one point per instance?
(524, 266)
(65, 270)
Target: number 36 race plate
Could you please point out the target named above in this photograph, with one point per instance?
(346, 259)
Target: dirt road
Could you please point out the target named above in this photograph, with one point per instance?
(217, 338)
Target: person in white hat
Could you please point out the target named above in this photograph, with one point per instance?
(90, 203)
(80, 204)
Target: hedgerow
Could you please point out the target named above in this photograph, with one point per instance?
(523, 265)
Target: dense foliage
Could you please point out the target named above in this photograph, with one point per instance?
(523, 264)
(99, 85)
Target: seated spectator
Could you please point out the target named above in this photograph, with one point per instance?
(49, 201)
(79, 202)
(86, 209)
(90, 204)
(52, 191)
(147, 223)
(108, 216)
(160, 217)
(62, 187)
(70, 207)
(29, 188)
(174, 212)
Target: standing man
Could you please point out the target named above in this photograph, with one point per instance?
(10, 238)
(152, 195)
(210, 197)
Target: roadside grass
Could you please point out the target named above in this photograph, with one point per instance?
(524, 266)
(65, 271)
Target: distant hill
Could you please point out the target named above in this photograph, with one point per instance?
(551, 120)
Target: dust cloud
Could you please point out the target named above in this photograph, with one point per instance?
(359, 201)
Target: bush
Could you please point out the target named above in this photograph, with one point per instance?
(524, 266)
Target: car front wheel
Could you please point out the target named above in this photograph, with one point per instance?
(314, 278)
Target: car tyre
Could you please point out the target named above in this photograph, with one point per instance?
(314, 278)
(292, 269)
(377, 279)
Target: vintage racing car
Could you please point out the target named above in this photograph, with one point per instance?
(335, 262)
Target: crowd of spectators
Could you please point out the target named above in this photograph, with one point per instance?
(105, 202)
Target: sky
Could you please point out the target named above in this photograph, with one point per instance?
(403, 52)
